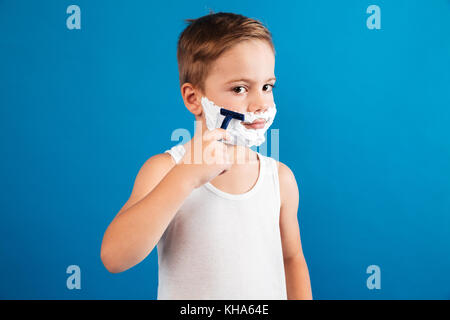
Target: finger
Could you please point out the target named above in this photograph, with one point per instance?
(217, 134)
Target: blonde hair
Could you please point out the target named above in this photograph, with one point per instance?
(206, 38)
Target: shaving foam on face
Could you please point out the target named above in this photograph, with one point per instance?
(239, 133)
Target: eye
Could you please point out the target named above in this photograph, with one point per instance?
(271, 86)
(236, 89)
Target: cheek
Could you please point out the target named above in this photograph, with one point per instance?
(237, 106)
(230, 103)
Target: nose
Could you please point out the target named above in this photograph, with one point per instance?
(258, 104)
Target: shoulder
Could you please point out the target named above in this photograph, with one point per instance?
(152, 171)
(150, 174)
(288, 183)
(285, 174)
(160, 162)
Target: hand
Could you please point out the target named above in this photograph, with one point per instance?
(206, 156)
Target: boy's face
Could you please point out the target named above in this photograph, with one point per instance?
(241, 79)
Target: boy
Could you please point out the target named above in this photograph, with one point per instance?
(223, 217)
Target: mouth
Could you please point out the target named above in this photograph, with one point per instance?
(257, 124)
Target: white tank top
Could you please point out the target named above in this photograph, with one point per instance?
(222, 246)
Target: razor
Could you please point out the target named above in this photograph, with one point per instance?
(230, 115)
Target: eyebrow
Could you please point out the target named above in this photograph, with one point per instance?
(248, 80)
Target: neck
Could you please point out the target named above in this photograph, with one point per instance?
(242, 154)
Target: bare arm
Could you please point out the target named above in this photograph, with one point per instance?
(298, 283)
(159, 191)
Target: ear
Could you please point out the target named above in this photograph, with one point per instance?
(192, 99)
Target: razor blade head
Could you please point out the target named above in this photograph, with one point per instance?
(233, 114)
(230, 115)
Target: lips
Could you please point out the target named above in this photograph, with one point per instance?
(257, 124)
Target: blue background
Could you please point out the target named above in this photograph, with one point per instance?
(363, 118)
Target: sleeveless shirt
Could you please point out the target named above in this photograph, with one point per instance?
(222, 246)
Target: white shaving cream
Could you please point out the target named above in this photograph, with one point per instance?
(239, 133)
